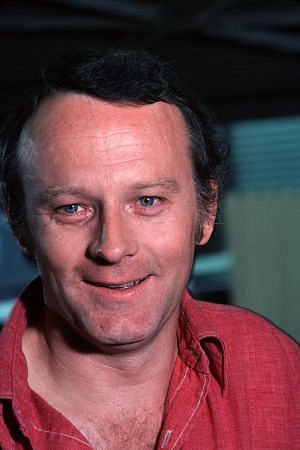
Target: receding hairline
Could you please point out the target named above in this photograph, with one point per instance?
(25, 145)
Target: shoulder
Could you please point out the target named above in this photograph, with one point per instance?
(257, 367)
(244, 333)
(260, 363)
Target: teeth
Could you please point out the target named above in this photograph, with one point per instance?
(125, 286)
(119, 286)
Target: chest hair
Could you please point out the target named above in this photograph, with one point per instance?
(137, 431)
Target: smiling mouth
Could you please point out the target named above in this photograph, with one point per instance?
(118, 287)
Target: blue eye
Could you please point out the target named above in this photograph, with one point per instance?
(72, 209)
(147, 201)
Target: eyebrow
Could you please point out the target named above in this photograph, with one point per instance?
(167, 183)
(54, 191)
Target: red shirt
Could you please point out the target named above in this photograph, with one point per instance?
(235, 385)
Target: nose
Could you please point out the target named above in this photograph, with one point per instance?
(114, 239)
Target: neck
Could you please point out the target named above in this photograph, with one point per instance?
(56, 367)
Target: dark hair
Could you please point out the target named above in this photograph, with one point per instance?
(116, 75)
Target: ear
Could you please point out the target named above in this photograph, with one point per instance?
(24, 239)
(28, 251)
(206, 232)
(207, 227)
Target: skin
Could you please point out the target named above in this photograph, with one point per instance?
(110, 199)
(126, 170)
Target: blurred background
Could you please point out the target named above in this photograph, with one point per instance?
(242, 58)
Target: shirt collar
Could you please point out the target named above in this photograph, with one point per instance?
(13, 366)
(12, 359)
(200, 344)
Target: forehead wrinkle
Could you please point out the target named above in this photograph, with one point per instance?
(107, 135)
(36, 136)
(29, 150)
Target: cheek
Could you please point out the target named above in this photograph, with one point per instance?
(57, 249)
(172, 244)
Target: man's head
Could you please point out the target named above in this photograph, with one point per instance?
(131, 77)
(110, 177)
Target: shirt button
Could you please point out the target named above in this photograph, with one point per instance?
(192, 350)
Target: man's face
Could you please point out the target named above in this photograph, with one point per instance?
(111, 206)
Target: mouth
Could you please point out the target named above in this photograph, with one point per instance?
(118, 287)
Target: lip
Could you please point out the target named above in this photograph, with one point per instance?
(120, 286)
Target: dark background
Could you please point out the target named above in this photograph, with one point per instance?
(242, 57)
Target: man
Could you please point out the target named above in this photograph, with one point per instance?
(110, 177)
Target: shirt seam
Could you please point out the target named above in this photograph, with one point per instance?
(193, 412)
(60, 434)
(178, 387)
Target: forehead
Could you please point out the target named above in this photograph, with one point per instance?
(74, 127)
